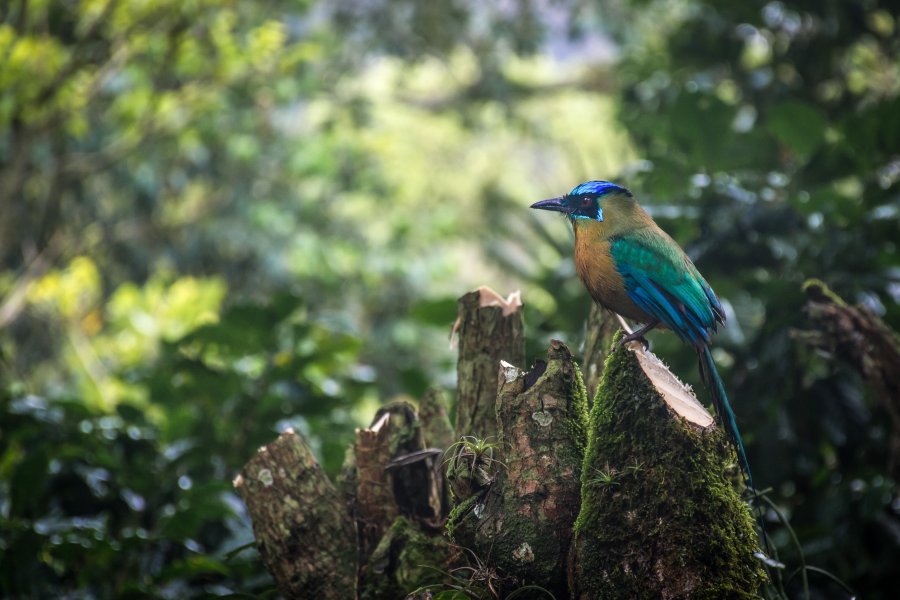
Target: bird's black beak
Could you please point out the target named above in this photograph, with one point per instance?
(556, 204)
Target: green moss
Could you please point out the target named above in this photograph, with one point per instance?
(578, 415)
(457, 513)
(818, 288)
(404, 560)
(667, 521)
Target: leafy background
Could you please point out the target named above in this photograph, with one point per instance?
(222, 219)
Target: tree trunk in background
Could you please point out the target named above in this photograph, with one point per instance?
(490, 329)
(438, 434)
(436, 425)
(859, 338)
(631, 502)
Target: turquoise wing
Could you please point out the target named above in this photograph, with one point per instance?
(661, 280)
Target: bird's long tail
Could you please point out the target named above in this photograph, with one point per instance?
(720, 400)
(711, 378)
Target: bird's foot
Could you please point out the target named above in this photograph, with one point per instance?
(635, 336)
(638, 336)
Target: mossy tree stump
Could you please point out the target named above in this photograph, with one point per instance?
(633, 501)
(303, 535)
(659, 516)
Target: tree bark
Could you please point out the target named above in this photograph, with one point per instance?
(523, 518)
(436, 427)
(490, 329)
(600, 329)
(438, 435)
(302, 529)
(386, 488)
(399, 505)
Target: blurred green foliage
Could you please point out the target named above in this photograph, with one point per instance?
(136, 499)
(223, 219)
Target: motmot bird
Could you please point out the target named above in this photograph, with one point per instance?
(632, 267)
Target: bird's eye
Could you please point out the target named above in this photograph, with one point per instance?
(586, 202)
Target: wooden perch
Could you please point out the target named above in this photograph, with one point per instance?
(490, 329)
(859, 338)
(659, 518)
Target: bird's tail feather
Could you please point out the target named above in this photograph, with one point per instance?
(720, 400)
(711, 378)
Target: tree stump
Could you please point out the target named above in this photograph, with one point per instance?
(491, 329)
(632, 502)
(523, 518)
(659, 517)
(302, 528)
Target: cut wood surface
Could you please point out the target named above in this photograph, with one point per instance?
(677, 396)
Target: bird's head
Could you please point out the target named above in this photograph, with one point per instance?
(585, 201)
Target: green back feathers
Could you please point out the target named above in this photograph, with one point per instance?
(661, 279)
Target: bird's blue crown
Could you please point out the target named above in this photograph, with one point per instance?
(600, 188)
(583, 202)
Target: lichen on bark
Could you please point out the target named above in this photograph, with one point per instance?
(659, 518)
(302, 529)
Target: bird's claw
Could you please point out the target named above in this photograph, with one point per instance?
(637, 336)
